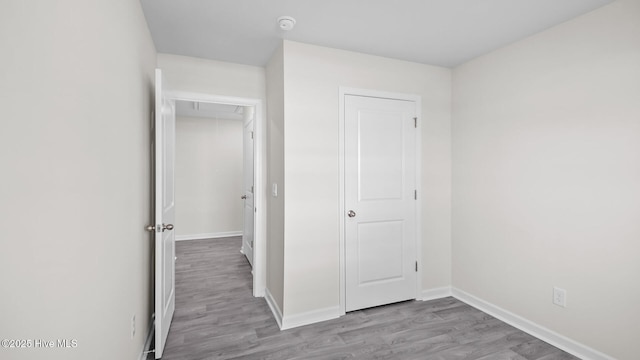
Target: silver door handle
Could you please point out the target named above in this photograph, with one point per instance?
(167, 227)
(351, 213)
(243, 197)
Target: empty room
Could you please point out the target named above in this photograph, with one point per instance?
(190, 179)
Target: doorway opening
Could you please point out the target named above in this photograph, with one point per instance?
(219, 190)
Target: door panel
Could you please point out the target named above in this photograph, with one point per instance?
(380, 181)
(380, 172)
(164, 213)
(380, 260)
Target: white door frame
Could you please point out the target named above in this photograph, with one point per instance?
(259, 220)
(344, 91)
(249, 212)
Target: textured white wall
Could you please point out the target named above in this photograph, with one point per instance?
(312, 77)
(209, 180)
(76, 94)
(546, 175)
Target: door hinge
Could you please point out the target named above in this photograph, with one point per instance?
(415, 194)
(416, 266)
(415, 122)
(252, 135)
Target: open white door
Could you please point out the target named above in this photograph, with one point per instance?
(380, 192)
(165, 117)
(248, 196)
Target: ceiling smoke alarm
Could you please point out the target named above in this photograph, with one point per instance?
(286, 23)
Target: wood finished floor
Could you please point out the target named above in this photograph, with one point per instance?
(216, 317)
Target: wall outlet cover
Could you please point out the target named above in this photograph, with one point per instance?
(559, 296)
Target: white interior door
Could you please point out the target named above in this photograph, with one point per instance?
(248, 196)
(165, 117)
(380, 191)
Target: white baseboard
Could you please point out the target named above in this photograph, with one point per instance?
(310, 317)
(436, 293)
(208, 235)
(292, 321)
(277, 313)
(573, 347)
(147, 342)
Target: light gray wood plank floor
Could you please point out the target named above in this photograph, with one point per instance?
(216, 317)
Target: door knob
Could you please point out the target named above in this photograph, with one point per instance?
(167, 227)
(243, 197)
(351, 213)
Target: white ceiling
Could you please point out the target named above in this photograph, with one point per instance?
(437, 32)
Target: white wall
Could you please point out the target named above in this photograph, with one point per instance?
(312, 77)
(275, 214)
(546, 175)
(213, 77)
(209, 180)
(74, 153)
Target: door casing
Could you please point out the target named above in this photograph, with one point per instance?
(248, 179)
(344, 91)
(259, 229)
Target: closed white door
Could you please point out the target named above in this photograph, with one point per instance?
(380, 201)
(248, 196)
(165, 296)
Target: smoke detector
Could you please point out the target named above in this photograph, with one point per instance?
(286, 23)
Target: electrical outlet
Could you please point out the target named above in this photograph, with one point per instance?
(133, 326)
(560, 296)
